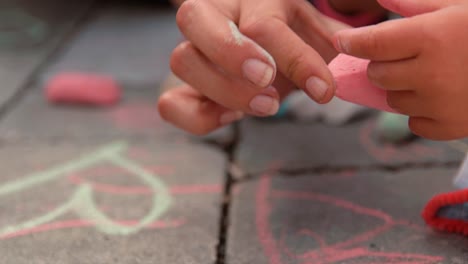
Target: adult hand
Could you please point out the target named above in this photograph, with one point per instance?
(243, 56)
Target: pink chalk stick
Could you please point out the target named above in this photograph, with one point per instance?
(82, 88)
(350, 74)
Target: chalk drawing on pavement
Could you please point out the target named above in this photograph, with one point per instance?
(414, 151)
(81, 202)
(354, 249)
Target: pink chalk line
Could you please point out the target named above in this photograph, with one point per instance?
(136, 116)
(85, 223)
(328, 253)
(389, 152)
(338, 256)
(262, 221)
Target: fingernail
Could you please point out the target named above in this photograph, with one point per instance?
(317, 88)
(264, 105)
(258, 72)
(229, 117)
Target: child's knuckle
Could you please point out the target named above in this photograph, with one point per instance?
(372, 42)
(177, 62)
(293, 67)
(255, 28)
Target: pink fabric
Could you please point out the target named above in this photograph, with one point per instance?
(359, 20)
(82, 88)
(350, 74)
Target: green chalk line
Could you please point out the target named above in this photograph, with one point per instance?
(82, 202)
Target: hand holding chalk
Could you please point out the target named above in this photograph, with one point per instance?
(417, 61)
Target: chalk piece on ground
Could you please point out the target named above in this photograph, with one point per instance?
(82, 88)
(282, 111)
(393, 128)
(350, 74)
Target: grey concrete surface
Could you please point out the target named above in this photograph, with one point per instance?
(132, 44)
(299, 146)
(18, 61)
(347, 217)
(136, 116)
(54, 196)
(118, 185)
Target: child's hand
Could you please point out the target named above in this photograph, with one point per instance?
(242, 56)
(422, 62)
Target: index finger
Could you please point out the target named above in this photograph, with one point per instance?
(212, 29)
(387, 41)
(295, 59)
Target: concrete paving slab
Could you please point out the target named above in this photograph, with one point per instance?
(129, 42)
(349, 217)
(297, 146)
(110, 202)
(19, 60)
(135, 117)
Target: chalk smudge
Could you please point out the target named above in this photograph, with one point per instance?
(239, 39)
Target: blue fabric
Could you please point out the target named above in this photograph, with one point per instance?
(454, 212)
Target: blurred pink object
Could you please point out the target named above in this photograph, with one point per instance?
(356, 20)
(82, 88)
(350, 74)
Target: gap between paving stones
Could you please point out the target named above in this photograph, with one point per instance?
(235, 175)
(290, 173)
(226, 199)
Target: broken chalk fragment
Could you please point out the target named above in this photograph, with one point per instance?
(82, 88)
(350, 74)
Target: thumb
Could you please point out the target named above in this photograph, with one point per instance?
(408, 8)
